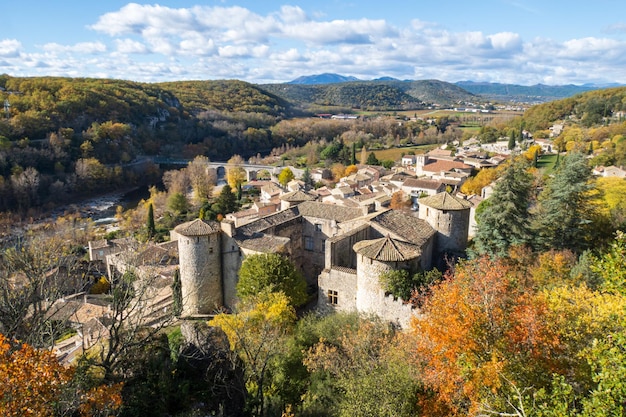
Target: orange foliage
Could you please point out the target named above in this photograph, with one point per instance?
(479, 325)
(32, 381)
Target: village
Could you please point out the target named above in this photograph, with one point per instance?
(341, 238)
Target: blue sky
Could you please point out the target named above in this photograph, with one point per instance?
(265, 41)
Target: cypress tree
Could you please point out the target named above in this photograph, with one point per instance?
(150, 223)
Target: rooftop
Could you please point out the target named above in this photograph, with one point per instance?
(387, 249)
(197, 227)
(445, 201)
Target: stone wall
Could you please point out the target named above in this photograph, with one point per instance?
(451, 225)
(201, 273)
(339, 250)
(341, 280)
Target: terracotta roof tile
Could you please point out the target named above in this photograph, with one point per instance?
(197, 227)
(445, 201)
(410, 228)
(387, 249)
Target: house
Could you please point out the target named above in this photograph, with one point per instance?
(610, 171)
(415, 187)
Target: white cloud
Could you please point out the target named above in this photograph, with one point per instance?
(129, 46)
(10, 48)
(80, 48)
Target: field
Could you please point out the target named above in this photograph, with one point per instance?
(546, 163)
(394, 154)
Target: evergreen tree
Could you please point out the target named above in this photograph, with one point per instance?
(150, 224)
(226, 201)
(372, 160)
(503, 219)
(177, 294)
(353, 156)
(565, 214)
(306, 178)
(512, 140)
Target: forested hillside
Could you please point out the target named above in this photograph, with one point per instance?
(373, 95)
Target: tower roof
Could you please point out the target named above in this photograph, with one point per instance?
(197, 227)
(387, 249)
(445, 201)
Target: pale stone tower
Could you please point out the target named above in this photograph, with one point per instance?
(449, 216)
(375, 257)
(199, 252)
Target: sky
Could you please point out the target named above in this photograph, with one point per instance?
(526, 42)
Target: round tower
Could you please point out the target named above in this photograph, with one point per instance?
(200, 265)
(449, 216)
(375, 257)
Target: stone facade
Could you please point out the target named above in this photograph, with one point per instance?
(341, 251)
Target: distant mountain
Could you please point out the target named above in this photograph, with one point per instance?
(523, 93)
(325, 78)
(372, 95)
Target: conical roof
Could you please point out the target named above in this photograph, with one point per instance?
(387, 249)
(197, 227)
(445, 201)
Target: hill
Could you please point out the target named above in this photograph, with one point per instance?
(325, 78)
(587, 109)
(387, 94)
(522, 93)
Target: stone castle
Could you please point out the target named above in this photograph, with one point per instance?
(341, 251)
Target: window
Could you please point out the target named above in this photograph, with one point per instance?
(308, 243)
(323, 245)
(332, 297)
(318, 227)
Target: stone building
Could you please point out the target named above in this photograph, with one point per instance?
(341, 251)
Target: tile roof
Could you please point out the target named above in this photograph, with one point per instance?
(410, 228)
(328, 211)
(264, 243)
(197, 227)
(387, 249)
(443, 165)
(445, 201)
(296, 196)
(266, 222)
(422, 183)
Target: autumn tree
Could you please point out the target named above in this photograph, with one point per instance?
(202, 178)
(369, 369)
(399, 201)
(235, 174)
(285, 176)
(34, 383)
(271, 272)
(257, 334)
(503, 220)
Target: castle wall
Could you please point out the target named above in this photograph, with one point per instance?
(371, 297)
(200, 273)
(232, 256)
(339, 249)
(340, 283)
(451, 225)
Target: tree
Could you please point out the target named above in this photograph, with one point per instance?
(150, 227)
(399, 201)
(511, 144)
(306, 178)
(257, 333)
(285, 176)
(34, 383)
(566, 213)
(369, 371)
(235, 174)
(372, 160)
(271, 272)
(504, 219)
(178, 203)
(202, 178)
(226, 202)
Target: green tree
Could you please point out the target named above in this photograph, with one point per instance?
(306, 178)
(285, 176)
(178, 203)
(151, 228)
(511, 144)
(271, 272)
(566, 213)
(372, 160)
(504, 218)
(226, 202)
